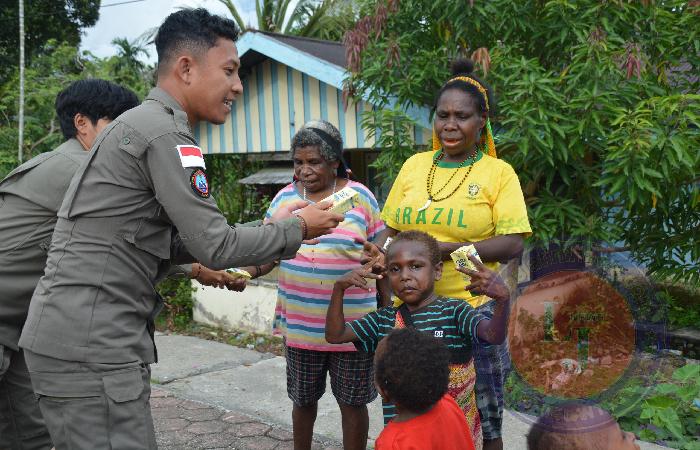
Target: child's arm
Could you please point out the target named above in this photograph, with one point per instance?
(485, 281)
(337, 331)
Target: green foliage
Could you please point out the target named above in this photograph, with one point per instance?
(235, 200)
(60, 20)
(177, 295)
(321, 19)
(599, 110)
(55, 66)
(392, 132)
(666, 409)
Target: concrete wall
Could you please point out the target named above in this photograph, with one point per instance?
(252, 309)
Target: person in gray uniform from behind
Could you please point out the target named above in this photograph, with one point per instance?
(29, 200)
(139, 203)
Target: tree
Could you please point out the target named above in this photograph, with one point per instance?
(53, 68)
(599, 108)
(125, 68)
(322, 19)
(44, 20)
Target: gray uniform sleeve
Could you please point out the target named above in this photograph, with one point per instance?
(202, 228)
(180, 271)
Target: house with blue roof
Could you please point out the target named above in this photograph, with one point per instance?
(287, 81)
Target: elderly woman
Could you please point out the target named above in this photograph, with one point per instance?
(305, 288)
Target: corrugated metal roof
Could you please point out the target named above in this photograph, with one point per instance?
(270, 175)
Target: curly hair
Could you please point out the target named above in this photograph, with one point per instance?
(308, 136)
(195, 30)
(93, 98)
(413, 369)
(423, 238)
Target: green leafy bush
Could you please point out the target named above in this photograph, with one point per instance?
(177, 311)
(663, 408)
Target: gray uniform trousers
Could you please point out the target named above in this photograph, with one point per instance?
(30, 197)
(139, 204)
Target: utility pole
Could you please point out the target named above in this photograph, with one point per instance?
(21, 80)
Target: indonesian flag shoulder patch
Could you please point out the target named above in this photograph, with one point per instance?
(191, 156)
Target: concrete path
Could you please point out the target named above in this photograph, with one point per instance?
(211, 395)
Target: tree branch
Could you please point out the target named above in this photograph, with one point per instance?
(52, 128)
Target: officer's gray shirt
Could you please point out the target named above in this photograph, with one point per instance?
(29, 200)
(129, 209)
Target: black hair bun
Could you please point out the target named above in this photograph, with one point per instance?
(462, 66)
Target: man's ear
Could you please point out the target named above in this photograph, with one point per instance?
(80, 122)
(183, 68)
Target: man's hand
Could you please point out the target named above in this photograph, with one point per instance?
(357, 277)
(220, 279)
(485, 281)
(288, 211)
(318, 220)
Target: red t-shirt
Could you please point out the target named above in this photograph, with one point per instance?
(442, 428)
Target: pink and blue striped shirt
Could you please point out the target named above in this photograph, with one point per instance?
(306, 282)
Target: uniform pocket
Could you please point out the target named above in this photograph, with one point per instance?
(123, 386)
(130, 424)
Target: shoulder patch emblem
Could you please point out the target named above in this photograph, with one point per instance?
(199, 183)
(191, 156)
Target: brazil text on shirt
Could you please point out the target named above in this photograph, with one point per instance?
(306, 282)
(449, 216)
(435, 216)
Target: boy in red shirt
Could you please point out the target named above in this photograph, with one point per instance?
(411, 370)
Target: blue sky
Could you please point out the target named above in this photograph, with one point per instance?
(130, 20)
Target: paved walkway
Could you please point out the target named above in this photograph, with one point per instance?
(208, 395)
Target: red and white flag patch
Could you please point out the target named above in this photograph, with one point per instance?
(191, 156)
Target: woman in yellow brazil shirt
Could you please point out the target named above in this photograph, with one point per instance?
(461, 194)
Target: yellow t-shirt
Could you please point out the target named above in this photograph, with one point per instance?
(489, 203)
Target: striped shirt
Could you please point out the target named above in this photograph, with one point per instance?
(451, 320)
(306, 282)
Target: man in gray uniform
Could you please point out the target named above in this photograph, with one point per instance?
(29, 200)
(140, 202)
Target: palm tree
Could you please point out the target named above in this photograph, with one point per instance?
(128, 53)
(324, 19)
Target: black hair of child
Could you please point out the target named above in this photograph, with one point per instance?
(423, 238)
(413, 370)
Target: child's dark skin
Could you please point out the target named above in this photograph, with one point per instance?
(412, 276)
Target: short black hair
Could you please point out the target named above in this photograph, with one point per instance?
(462, 67)
(413, 369)
(196, 30)
(93, 98)
(574, 425)
(430, 243)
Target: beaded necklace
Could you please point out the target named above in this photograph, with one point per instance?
(431, 178)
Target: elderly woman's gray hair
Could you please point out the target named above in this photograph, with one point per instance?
(319, 133)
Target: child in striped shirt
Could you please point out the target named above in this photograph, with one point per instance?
(413, 264)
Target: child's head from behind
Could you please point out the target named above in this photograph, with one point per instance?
(413, 263)
(578, 426)
(411, 369)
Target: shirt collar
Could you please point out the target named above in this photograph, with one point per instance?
(163, 97)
